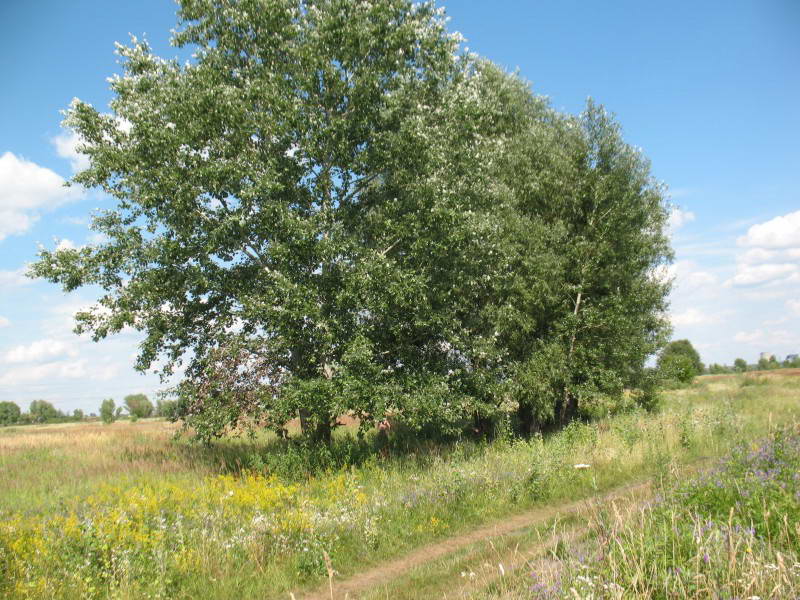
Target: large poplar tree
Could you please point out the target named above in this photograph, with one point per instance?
(330, 210)
(238, 177)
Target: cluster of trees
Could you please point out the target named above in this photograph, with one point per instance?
(333, 210)
(39, 411)
(136, 406)
(740, 365)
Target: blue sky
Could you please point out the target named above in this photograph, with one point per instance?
(709, 90)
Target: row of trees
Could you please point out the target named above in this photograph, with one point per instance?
(40, 411)
(740, 365)
(333, 210)
(138, 406)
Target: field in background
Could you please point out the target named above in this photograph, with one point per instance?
(124, 510)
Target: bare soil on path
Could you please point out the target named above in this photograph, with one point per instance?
(351, 588)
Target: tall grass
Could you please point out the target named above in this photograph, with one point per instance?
(730, 533)
(125, 511)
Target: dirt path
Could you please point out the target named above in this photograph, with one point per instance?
(354, 586)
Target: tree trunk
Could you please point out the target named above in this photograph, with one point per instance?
(568, 408)
(527, 423)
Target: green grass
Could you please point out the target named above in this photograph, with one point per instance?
(731, 532)
(126, 511)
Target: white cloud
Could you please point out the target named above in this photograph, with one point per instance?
(66, 244)
(748, 275)
(39, 351)
(794, 307)
(14, 278)
(689, 277)
(26, 190)
(780, 232)
(749, 337)
(4, 322)
(693, 316)
(66, 145)
(772, 257)
(66, 369)
(768, 339)
(678, 218)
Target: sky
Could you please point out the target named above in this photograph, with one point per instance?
(708, 90)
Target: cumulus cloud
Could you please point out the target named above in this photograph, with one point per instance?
(772, 255)
(749, 337)
(749, 275)
(693, 316)
(4, 322)
(768, 339)
(64, 369)
(794, 307)
(780, 232)
(689, 277)
(16, 278)
(66, 244)
(66, 145)
(678, 218)
(27, 190)
(39, 351)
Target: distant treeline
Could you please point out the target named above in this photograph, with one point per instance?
(740, 365)
(134, 406)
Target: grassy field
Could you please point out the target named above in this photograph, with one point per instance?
(126, 511)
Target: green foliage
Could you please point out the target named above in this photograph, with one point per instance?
(9, 413)
(766, 364)
(678, 368)
(167, 408)
(331, 211)
(740, 365)
(42, 411)
(680, 362)
(78, 415)
(138, 405)
(108, 411)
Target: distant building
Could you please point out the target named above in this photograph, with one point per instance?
(766, 356)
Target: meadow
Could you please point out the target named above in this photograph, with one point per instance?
(130, 511)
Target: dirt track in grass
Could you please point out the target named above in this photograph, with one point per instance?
(352, 587)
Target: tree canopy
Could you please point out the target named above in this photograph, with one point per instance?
(9, 413)
(332, 210)
(680, 361)
(138, 405)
